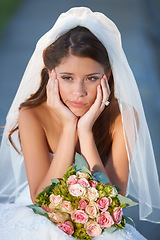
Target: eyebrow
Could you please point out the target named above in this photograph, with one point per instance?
(85, 75)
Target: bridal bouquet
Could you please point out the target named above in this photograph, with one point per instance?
(82, 204)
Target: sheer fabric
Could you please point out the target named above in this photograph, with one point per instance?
(143, 182)
(19, 222)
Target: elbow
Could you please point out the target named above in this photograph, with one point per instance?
(33, 198)
(123, 192)
(123, 189)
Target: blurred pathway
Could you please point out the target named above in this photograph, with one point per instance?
(140, 36)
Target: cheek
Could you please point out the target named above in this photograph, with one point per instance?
(63, 91)
(92, 93)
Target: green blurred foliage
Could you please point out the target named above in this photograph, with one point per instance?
(7, 8)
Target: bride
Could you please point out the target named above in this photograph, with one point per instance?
(78, 94)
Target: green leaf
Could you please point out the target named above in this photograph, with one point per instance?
(43, 199)
(111, 229)
(54, 180)
(38, 210)
(118, 189)
(70, 171)
(129, 220)
(80, 162)
(101, 177)
(127, 201)
(123, 205)
(86, 170)
(47, 190)
(120, 225)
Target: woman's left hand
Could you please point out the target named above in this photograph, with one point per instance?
(85, 123)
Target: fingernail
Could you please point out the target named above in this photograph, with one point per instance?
(53, 71)
(105, 77)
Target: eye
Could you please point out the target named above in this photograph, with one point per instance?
(67, 78)
(93, 78)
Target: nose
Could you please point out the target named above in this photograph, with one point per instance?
(79, 89)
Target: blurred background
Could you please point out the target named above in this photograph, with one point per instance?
(23, 22)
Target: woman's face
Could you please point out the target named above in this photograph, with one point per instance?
(78, 79)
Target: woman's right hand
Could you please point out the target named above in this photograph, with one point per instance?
(55, 104)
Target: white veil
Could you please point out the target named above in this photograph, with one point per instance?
(143, 182)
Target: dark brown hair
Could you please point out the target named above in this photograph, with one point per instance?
(78, 42)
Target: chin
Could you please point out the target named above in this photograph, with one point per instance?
(78, 113)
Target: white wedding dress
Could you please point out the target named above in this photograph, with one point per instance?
(18, 222)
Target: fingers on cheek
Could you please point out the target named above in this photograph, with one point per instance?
(107, 85)
(49, 91)
(106, 89)
(98, 90)
(50, 84)
(55, 87)
(99, 93)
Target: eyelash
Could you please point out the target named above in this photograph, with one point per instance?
(67, 78)
(92, 79)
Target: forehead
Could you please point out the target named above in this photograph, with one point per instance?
(75, 63)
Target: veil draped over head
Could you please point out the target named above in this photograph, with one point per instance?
(143, 182)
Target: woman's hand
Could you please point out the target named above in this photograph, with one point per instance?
(86, 139)
(86, 122)
(56, 105)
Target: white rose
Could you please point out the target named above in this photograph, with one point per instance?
(55, 200)
(114, 192)
(93, 194)
(83, 175)
(77, 190)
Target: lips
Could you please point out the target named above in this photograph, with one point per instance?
(77, 104)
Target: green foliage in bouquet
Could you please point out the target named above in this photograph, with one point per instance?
(81, 204)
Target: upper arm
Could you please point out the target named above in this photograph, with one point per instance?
(117, 166)
(34, 148)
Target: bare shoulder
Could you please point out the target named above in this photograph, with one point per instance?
(29, 118)
(27, 114)
(118, 122)
(31, 131)
(117, 163)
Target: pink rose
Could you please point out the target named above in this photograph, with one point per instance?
(92, 209)
(103, 203)
(93, 183)
(58, 217)
(55, 200)
(117, 215)
(47, 209)
(93, 194)
(66, 206)
(105, 220)
(79, 216)
(72, 180)
(84, 182)
(67, 227)
(77, 190)
(83, 203)
(93, 229)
